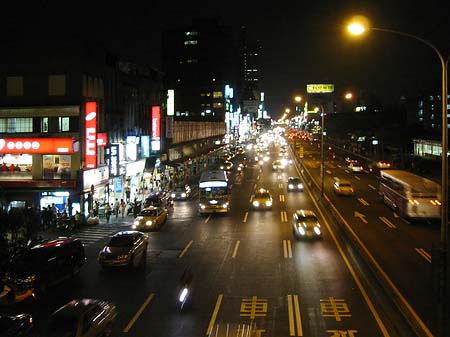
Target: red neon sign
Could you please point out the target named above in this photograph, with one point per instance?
(90, 155)
(102, 139)
(36, 145)
(156, 121)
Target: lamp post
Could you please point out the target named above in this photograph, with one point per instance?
(322, 147)
(357, 27)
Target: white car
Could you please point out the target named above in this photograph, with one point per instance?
(305, 225)
(356, 167)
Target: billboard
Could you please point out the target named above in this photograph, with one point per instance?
(156, 122)
(36, 145)
(319, 88)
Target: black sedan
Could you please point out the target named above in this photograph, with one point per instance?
(125, 248)
(294, 184)
(14, 326)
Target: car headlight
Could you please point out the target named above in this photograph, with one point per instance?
(301, 230)
(173, 195)
(256, 203)
(202, 206)
(317, 230)
(291, 186)
(269, 203)
(300, 186)
(183, 195)
(149, 223)
(225, 205)
(136, 223)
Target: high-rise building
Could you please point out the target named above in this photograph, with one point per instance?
(199, 61)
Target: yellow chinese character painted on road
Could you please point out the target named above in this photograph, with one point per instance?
(342, 333)
(253, 307)
(336, 308)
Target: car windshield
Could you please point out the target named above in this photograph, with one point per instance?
(121, 241)
(294, 181)
(308, 218)
(61, 325)
(149, 212)
(345, 185)
(262, 195)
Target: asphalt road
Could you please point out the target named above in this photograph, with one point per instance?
(250, 273)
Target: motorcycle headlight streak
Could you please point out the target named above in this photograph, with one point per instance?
(173, 195)
(183, 295)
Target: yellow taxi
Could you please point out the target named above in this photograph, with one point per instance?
(150, 219)
(261, 199)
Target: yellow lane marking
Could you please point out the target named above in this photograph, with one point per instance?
(138, 313)
(280, 185)
(422, 252)
(294, 309)
(282, 199)
(362, 201)
(361, 216)
(236, 248)
(185, 249)
(245, 217)
(214, 315)
(357, 178)
(283, 215)
(387, 222)
(287, 249)
(372, 187)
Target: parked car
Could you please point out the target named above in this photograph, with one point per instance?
(50, 262)
(295, 184)
(343, 187)
(125, 248)
(181, 192)
(16, 326)
(305, 224)
(83, 318)
(261, 199)
(150, 219)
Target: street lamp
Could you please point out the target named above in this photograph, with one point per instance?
(360, 25)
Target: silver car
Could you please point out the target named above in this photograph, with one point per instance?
(83, 318)
(125, 248)
(305, 225)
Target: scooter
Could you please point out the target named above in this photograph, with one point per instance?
(183, 296)
(16, 290)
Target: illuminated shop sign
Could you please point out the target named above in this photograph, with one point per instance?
(170, 102)
(102, 139)
(95, 177)
(156, 122)
(113, 159)
(36, 145)
(90, 156)
(145, 146)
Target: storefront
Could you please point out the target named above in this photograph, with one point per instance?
(96, 188)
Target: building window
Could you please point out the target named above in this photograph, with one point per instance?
(14, 86)
(64, 125)
(217, 94)
(190, 42)
(16, 125)
(217, 105)
(192, 61)
(190, 33)
(56, 85)
(44, 125)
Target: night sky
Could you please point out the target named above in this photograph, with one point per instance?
(303, 41)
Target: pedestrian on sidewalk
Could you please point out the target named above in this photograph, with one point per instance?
(116, 208)
(122, 207)
(107, 212)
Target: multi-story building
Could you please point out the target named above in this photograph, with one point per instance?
(201, 64)
(75, 124)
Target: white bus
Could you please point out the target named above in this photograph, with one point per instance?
(412, 196)
(214, 192)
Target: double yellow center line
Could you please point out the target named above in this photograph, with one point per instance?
(295, 319)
